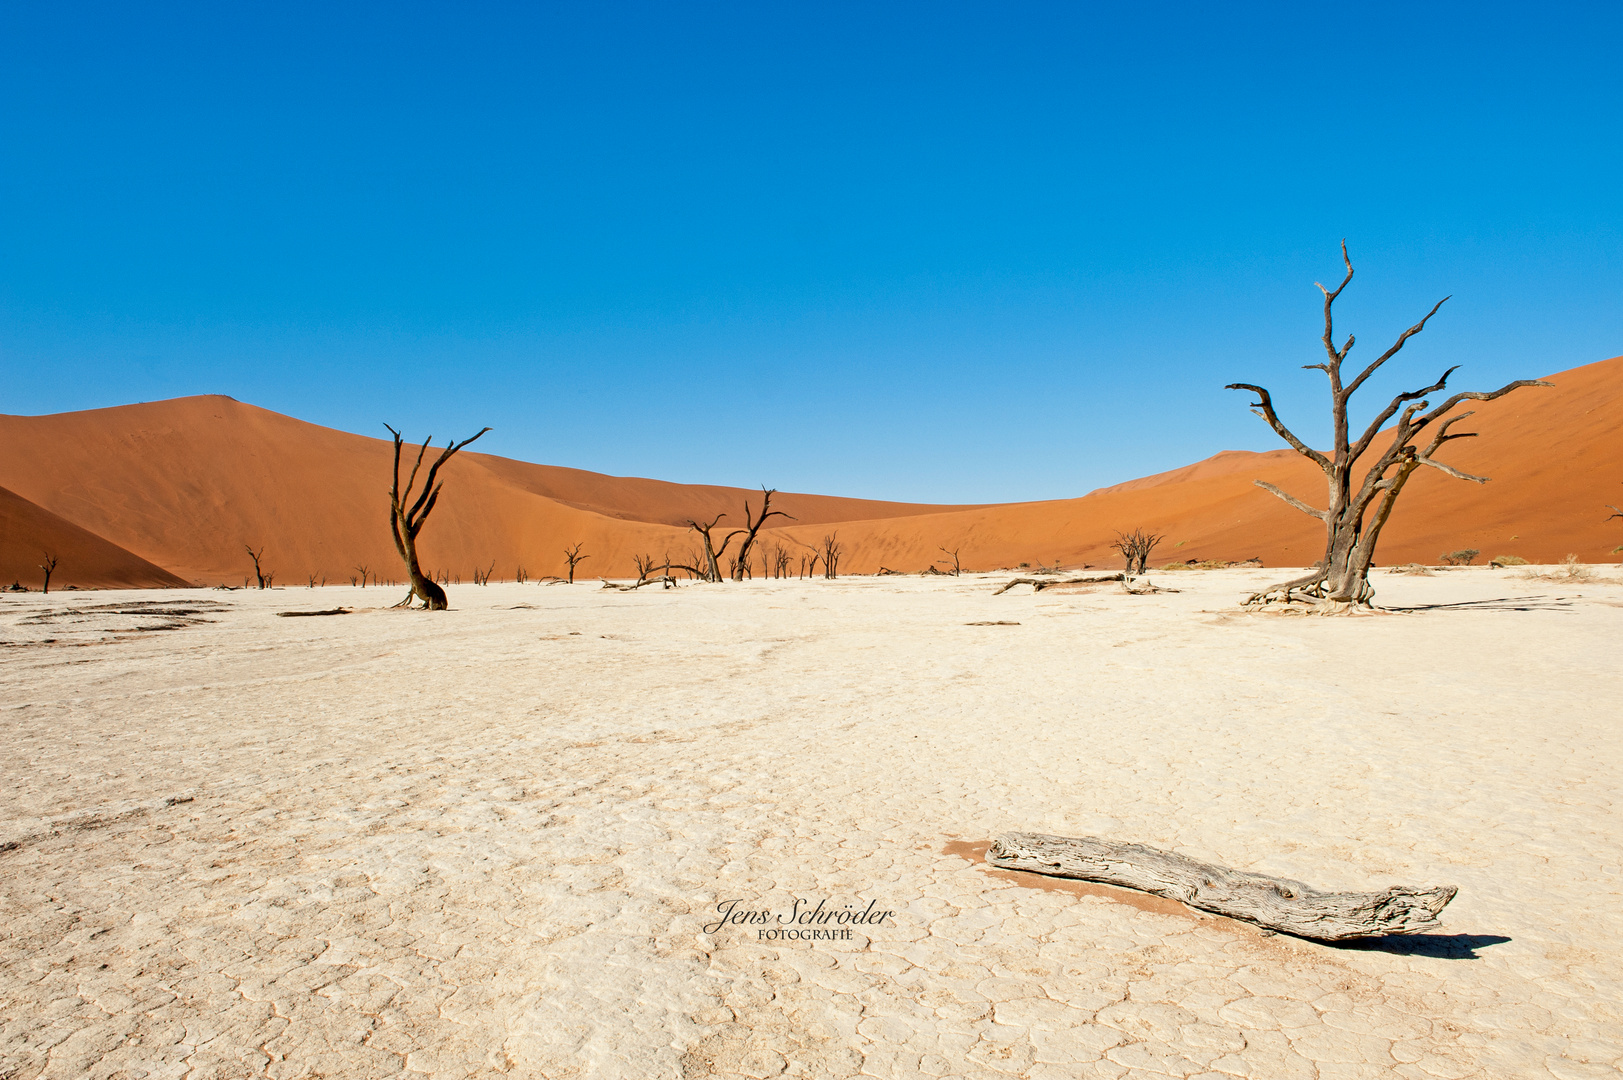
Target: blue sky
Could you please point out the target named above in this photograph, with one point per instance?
(939, 252)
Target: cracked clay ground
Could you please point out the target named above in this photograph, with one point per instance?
(486, 842)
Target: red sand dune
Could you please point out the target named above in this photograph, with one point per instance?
(186, 484)
(29, 534)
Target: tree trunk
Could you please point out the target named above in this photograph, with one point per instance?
(422, 586)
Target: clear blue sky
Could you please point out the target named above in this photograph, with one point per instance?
(942, 252)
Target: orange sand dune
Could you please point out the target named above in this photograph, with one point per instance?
(29, 533)
(1554, 455)
(187, 484)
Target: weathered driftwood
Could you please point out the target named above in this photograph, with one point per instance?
(666, 580)
(299, 614)
(1275, 903)
(1038, 585)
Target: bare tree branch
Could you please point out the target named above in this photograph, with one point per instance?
(1292, 499)
(1264, 407)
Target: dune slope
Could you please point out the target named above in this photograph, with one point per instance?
(187, 484)
(30, 533)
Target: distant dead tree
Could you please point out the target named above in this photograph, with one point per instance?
(1135, 547)
(260, 576)
(521, 575)
(707, 566)
(363, 571)
(957, 568)
(780, 561)
(831, 556)
(405, 522)
(311, 579)
(1354, 518)
(49, 566)
(574, 557)
(752, 528)
(483, 577)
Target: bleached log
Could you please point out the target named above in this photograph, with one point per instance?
(1274, 903)
(1038, 585)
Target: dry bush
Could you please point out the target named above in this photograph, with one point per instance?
(1462, 557)
(1502, 561)
(1413, 569)
(1569, 570)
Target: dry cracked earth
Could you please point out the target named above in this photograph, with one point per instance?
(490, 842)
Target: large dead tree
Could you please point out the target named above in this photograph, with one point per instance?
(406, 521)
(752, 527)
(1355, 515)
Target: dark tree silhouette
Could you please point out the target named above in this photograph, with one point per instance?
(831, 556)
(1135, 547)
(574, 556)
(405, 522)
(752, 527)
(1355, 516)
(710, 570)
(49, 566)
(260, 576)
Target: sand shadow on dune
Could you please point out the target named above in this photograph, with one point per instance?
(1504, 603)
(1439, 946)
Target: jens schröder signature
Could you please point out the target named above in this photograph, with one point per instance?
(802, 922)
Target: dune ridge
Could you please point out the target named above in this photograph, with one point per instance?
(182, 486)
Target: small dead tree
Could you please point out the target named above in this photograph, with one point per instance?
(752, 528)
(521, 575)
(831, 556)
(406, 521)
(1354, 516)
(49, 566)
(362, 571)
(260, 576)
(1135, 547)
(482, 577)
(710, 568)
(780, 562)
(957, 568)
(574, 558)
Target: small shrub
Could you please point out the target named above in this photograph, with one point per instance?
(1462, 557)
(1502, 561)
(1413, 569)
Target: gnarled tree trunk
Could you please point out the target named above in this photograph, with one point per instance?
(406, 522)
(1355, 514)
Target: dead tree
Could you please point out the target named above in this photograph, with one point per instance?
(49, 566)
(405, 522)
(363, 571)
(957, 568)
(1355, 516)
(260, 576)
(752, 528)
(710, 568)
(574, 558)
(831, 556)
(780, 562)
(483, 577)
(1135, 547)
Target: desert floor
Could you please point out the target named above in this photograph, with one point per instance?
(487, 841)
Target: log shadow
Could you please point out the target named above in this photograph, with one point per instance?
(1503, 603)
(1438, 946)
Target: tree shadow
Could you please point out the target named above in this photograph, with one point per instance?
(1440, 946)
(1504, 603)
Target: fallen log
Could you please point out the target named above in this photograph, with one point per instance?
(302, 614)
(666, 580)
(1038, 585)
(1275, 903)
